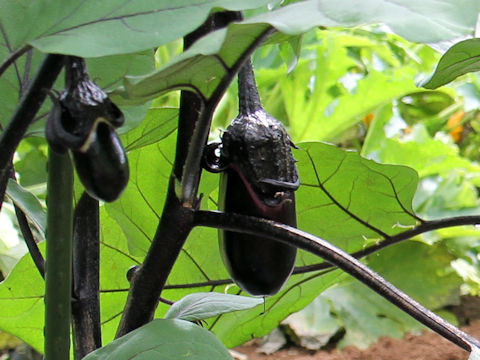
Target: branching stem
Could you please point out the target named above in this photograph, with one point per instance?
(292, 236)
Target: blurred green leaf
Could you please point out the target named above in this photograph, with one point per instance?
(164, 339)
(200, 306)
(367, 316)
(459, 59)
(428, 155)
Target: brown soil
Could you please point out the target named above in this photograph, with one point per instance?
(427, 346)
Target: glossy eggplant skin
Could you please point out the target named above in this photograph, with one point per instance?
(103, 166)
(258, 178)
(259, 266)
(83, 121)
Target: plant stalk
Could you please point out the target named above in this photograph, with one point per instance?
(292, 236)
(177, 217)
(87, 335)
(149, 279)
(58, 276)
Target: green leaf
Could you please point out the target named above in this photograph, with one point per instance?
(164, 339)
(202, 66)
(157, 125)
(28, 203)
(21, 300)
(91, 29)
(236, 328)
(200, 306)
(428, 21)
(459, 59)
(139, 208)
(430, 156)
(339, 186)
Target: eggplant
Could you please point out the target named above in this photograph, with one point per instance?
(103, 166)
(259, 178)
(83, 120)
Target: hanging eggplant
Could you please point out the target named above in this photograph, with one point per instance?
(258, 178)
(83, 120)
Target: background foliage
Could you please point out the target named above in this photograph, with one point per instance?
(402, 153)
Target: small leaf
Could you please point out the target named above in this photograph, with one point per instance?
(164, 339)
(28, 203)
(199, 306)
(460, 59)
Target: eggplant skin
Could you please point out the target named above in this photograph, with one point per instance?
(258, 265)
(103, 166)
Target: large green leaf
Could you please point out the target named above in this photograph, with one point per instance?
(460, 59)
(202, 66)
(370, 199)
(428, 21)
(21, 299)
(164, 339)
(92, 29)
(157, 124)
(78, 28)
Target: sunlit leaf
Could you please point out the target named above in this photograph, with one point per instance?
(29, 204)
(200, 306)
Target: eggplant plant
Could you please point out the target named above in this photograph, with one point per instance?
(261, 182)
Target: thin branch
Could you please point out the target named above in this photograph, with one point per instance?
(12, 57)
(25, 113)
(424, 227)
(27, 234)
(292, 236)
(32, 246)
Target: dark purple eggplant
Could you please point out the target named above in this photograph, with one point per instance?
(103, 166)
(83, 120)
(259, 179)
